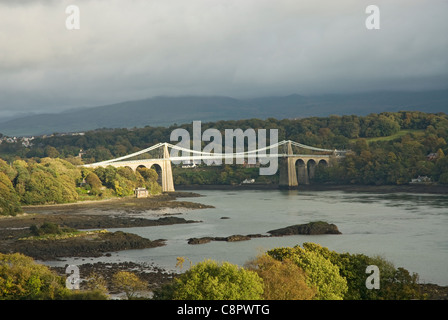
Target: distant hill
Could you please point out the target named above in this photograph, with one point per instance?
(165, 111)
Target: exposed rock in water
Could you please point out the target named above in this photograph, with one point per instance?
(86, 246)
(311, 228)
(236, 237)
(233, 238)
(200, 240)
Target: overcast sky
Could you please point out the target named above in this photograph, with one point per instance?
(134, 49)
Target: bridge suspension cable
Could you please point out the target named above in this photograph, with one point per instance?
(214, 155)
(308, 147)
(250, 152)
(132, 154)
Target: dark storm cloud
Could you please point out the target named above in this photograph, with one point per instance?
(127, 50)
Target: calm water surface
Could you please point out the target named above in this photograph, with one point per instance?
(409, 230)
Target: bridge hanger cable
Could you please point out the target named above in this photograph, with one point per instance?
(308, 147)
(250, 151)
(259, 151)
(226, 153)
(132, 154)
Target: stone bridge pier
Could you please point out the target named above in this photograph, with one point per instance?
(299, 169)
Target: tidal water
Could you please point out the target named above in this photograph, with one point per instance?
(409, 230)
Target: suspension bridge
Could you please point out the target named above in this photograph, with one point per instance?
(294, 168)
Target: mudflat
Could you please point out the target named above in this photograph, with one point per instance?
(103, 214)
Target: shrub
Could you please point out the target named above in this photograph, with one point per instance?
(395, 284)
(209, 280)
(49, 228)
(94, 182)
(47, 185)
(129, 283)
(22, 278)
(9, 200)
(321, 273)
(282, 280)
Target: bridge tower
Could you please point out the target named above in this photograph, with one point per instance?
(287, 167)
(167, 172)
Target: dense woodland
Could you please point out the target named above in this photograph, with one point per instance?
(52, 181)
(387, 148)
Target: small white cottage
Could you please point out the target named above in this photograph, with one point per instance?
(141, 193)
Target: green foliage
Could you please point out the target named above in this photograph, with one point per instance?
(219, 175)
(282, 280)
(389, 148)
(51, 152)
(441, 169)
(94, 183)
(46, 186)
(9, 171)
(49, 228)
(22, 178)
(95, 294)
(389, 162)
(52, 181)
(209, 280)
(123, 181)
(129, 283)
(23, 279)
(381, 125)
(395, 284)
(9, 200)
(148, 178)
(321, 273)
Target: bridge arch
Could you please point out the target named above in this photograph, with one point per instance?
(302, 171)
(293, 167)
(158, 168)
(311, 166)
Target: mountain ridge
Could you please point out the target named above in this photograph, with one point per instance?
(168, 110)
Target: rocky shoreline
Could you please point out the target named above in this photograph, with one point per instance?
(154, 276)
(97, 215)
(91, 215)
(95, 245)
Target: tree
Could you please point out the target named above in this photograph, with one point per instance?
(51, 152)
(129, 283)
(22, 178)
(11, 172)
(395, 284)
(46, 186)
(21, 278)
(282, 280)
(150, 178)
(440, 170)
(9, 200)
(210, 280)
(96, 282)
(150, 175)
(94, 182)
(322, 274)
